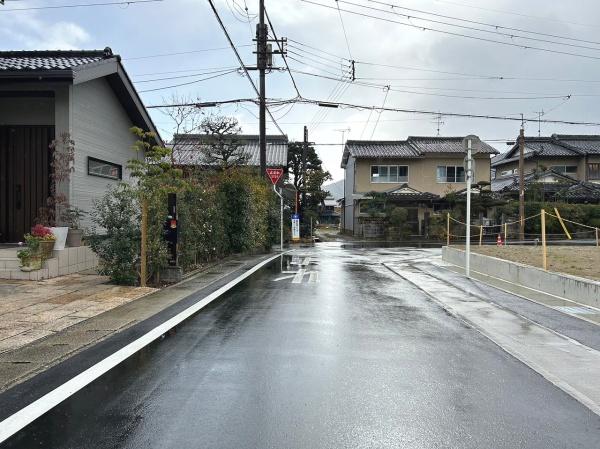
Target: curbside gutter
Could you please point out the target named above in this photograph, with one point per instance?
(576, 289)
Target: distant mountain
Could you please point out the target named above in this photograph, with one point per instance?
(335, 189)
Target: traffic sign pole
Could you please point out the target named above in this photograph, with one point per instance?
(274, 175)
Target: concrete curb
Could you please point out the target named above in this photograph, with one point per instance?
(576, 289)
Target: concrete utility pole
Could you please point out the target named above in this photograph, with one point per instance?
(262, 31)
(304, 156)
(522, 184)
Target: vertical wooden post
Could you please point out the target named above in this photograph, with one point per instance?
(480, 234)
(544, 254)
(505, 233)
(596, 236)
(144, 243)
(448, 229)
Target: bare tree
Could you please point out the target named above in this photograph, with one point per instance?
(186, 119)
(222, 145)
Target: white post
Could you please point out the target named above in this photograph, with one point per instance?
(469, 175)
(280, 218)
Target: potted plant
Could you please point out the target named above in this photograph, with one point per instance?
(62, 158)
(72, 216)
(29, 260)
(44, 239)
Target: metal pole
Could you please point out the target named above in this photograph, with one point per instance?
(280, 217)
(448, 229)
(522, 184)
(468, 218)
(261, 54)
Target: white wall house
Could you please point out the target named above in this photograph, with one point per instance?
(44, 94)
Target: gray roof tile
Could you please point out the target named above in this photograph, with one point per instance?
(49, 60)
(187, 150)
(445, 145)
(381, 149)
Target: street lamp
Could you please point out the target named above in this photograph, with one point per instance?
(471, 144)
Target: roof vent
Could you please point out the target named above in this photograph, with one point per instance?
(107, 53)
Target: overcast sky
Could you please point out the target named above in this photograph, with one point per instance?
(173, 26)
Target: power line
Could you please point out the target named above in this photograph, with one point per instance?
(225, 71)
(314, 48)
(281, 49)
(188, 83)
(387, 91)
(432, 94)
(343, 105)
(482, 30)
(80, 5)
(451, 33)
(344, 29)
(233, 47)
(202, 50)
(495, 26)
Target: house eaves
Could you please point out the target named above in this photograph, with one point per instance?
(78, 67)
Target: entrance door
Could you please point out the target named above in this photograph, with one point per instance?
(24, 178)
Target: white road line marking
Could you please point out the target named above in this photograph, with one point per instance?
(298, 278)
(314, 277)
(282, 278)
(28, 414)
(306, 261)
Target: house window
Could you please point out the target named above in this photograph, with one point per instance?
(104, 169)
(389, 173)
(566, 169)
(593, 171)
(450, 173)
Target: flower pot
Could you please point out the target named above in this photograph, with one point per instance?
(74, 237)
(33, 263)
(61, 237)
(46, 247)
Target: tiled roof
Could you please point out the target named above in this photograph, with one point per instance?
(385, 149)
(567, 187)
(558, 145)
(187, 149)
(50, 60)
(445, 145)
(413, 147)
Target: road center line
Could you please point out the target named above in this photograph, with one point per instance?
(31, 412)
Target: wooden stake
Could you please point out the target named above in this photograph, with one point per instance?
(505, 234)
(448, 229)
(596, 236)
(480, 234)
(562, 223)
(144, 243)
(544, 254)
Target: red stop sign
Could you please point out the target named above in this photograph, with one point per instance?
(274, 174)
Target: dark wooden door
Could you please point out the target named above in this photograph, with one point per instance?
(24, 177)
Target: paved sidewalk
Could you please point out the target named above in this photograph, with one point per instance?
(30, 310)
(79, 332)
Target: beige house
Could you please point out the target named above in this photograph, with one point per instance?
(416, 173)
(577, 156)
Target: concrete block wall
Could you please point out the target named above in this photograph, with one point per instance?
(581, 290)
(67, 261)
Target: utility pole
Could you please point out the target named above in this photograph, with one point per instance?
(304, 156)
(522, 183)
(262, 31)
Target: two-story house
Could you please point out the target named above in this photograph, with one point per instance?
(577, 156)
(416, 174)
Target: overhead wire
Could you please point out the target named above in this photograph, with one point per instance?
(239, 58)
(470, 28)
(387, 91)
(451, 33)
(79, 5)
(476, 22)
(188, 83)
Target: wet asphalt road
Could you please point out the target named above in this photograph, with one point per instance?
(354, 357)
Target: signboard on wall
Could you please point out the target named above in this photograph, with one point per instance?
(295, 227)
